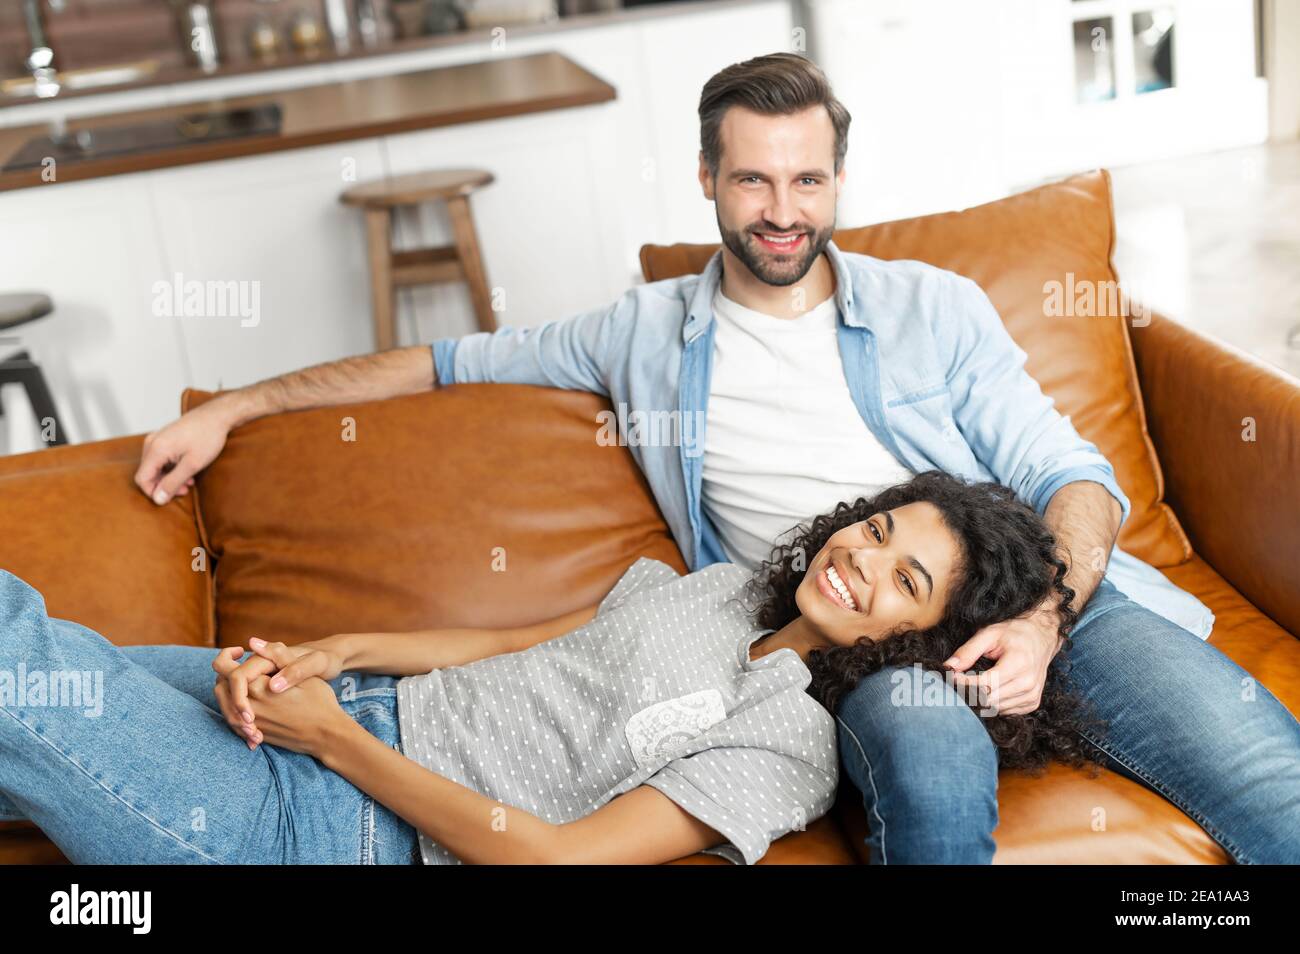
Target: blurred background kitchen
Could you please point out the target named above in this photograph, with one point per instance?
(208, 192)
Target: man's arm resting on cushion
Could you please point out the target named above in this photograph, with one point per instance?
(173, 454)
(568, 353)
(365, 377)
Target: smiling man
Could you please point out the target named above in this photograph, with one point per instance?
(824, 376)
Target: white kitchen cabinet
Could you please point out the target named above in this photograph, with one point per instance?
(274, 220)
(112, 366)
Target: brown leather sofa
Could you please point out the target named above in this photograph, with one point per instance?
(296, 532)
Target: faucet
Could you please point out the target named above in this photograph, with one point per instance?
(367, 22)
(40, 59)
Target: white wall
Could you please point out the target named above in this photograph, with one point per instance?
(956, 102)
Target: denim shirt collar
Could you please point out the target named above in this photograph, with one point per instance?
(700, 313)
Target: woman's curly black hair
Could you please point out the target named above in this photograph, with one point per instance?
(1008, 564)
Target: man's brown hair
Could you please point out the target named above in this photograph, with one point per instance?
(777, 84)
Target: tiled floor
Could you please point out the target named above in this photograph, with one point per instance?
(1214, 241)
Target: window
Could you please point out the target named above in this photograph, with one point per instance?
(1122, 48)
(1153, 50)
(1094, 63)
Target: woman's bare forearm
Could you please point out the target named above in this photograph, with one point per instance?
(421, 651)
(415, 653)
(473, 827)
(367, 377)
(642, 826)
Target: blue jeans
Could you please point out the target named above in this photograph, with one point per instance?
(136, 764)
(1185, 721)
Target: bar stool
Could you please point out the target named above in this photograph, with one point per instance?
(18, 309)
(390, 270)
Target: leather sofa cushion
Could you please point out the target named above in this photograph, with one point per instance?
(22, 843)
(1011, 248)
(1245, 635)
(473, 505)
(75, 527)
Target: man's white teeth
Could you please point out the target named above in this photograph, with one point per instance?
(841, 588)
(781, 241)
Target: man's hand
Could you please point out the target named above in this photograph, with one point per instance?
(1085, 519)
(1023, 648)
(174, 454)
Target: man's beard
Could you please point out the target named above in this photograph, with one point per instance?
(769, 267)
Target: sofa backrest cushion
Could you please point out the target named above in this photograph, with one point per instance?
(472, 505)
(1063, 232)
(74, 526)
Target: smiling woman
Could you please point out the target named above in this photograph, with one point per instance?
(677, 716)
(906, 577)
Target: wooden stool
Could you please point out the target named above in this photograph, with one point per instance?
(15, 310)
(391, 270)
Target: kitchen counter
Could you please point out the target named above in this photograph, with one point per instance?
(336, 112)
(289, 60)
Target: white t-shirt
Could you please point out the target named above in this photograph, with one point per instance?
(784, 441)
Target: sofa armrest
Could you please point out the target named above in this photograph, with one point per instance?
(1226, 428)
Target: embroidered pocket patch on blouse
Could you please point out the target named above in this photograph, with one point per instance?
(658, 732)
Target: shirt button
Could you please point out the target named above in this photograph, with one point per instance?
(950, 432)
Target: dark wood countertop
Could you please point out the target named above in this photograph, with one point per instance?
(336, 112)
(171, 74)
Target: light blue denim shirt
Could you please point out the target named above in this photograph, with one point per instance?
(929, 364)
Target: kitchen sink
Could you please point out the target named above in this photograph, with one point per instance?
(142, 138)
